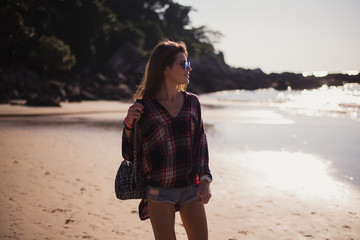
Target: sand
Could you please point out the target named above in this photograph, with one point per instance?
(58, 169)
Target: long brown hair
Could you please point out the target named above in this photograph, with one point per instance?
(163, 55)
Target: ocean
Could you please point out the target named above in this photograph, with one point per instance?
(301, 140)
(330, 101)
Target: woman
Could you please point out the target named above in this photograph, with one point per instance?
(173, 154)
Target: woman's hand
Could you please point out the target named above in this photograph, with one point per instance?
(134, 113)
(204, 192)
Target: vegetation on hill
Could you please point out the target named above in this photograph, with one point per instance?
(65, 35)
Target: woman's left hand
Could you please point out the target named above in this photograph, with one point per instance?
(204, 192)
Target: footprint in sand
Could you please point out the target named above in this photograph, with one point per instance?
(118, 232)
(243, 232)
(58, 210)
(295, 214)
(67, 221)
(85, 236)
(94, 227)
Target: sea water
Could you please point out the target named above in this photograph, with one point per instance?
(297, 138)
(332, 101)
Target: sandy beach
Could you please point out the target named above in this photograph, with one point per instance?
(273, 179)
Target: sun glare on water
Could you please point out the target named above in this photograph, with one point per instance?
(300, 172)
(351, 72)
(303, 174)
(316, 74)
(333, 100)
(325, 73)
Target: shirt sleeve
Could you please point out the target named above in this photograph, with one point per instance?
(201, 154)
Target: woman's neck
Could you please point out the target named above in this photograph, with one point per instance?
(167, 94)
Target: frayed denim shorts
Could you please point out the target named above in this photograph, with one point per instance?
(175, 196)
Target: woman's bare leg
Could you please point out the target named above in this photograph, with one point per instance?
(162, 217)
(194, 219)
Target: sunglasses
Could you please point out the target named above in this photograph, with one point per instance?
(185, 64)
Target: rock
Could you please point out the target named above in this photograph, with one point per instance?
(111, 92)
(56, 89)
(4, 100)
(43, 101)
(86, 95)
(73, 93)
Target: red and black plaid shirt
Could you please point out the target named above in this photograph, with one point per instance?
(171, 151)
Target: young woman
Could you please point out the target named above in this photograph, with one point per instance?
(172, 145)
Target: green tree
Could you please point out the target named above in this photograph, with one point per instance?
(176, 19)
(83, 24)
(53, 54)
(93, 30)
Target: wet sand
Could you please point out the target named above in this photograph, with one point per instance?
(58, 167)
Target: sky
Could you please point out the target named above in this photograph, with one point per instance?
(284, 35)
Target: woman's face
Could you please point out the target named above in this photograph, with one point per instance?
(176, 73)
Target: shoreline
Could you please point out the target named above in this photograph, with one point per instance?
(67, 108)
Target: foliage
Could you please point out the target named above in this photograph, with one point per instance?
(52, 54)
(56, 32)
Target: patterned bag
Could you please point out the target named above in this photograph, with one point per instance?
(128, 182)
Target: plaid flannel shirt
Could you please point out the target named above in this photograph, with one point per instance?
(171, 151)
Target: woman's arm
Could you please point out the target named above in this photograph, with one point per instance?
(133, 114)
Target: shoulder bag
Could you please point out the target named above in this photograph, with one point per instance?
(128, 182)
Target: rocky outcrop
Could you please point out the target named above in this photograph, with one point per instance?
(123, 72)
(42, 101)
(210, 74)
(117, 80)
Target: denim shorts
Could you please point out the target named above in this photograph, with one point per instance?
(175, 196)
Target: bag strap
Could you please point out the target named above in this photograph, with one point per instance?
(134, 173)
